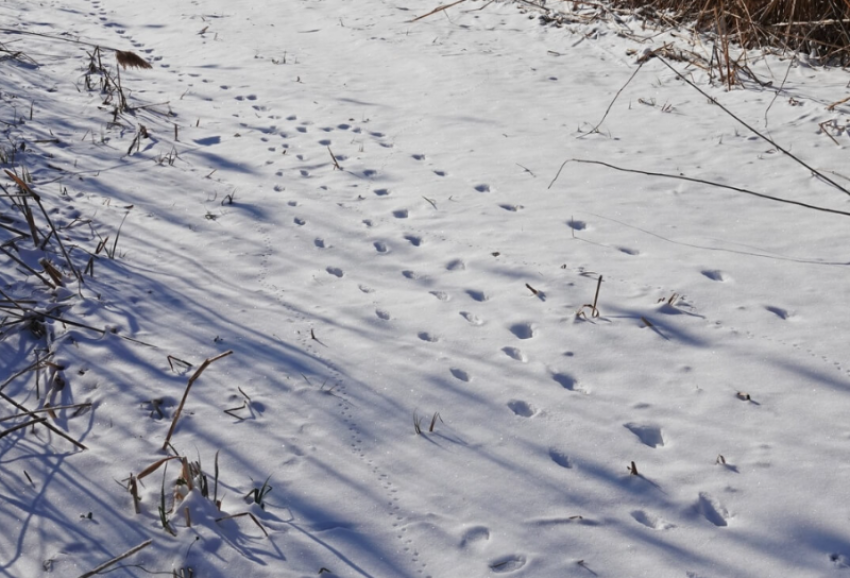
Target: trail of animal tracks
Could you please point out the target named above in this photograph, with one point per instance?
(359, 207)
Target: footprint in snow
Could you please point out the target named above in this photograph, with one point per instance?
(507, 563)
(649, 435)
(414, 240)
(441, 295)
(521, 408)
(299, 222)
(515, 353)
(471, 318)
(479, 296)
(381, 247)
(475, 536)
(320, 243)
(401, 214)
(482, 188)
(651, 521)
(461, 374)
(716, 275)
(383, 314)
(576, 225)
(382, 192)
(523, 330)
(712, 510)
(566, 381)
(456, 265)
(560, 458)
(336, 271)
(429, 337)
(779, 312)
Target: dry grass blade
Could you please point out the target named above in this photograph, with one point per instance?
(126, 554)
(155, 466)
(32, 367)
(48, 425)
(130, 59)
(250, 515)
(814, 27)
(438, 9)
(714, 184)
(192, 379)
(46, 409)
(22, 426)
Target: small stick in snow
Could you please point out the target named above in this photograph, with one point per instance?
(333, 157)
(633, 471)
(192, 379)
(438, 9)
(126, 554)
(594, 311)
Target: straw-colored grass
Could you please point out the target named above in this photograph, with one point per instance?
(820, 28)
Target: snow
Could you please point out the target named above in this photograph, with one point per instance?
(359, 207)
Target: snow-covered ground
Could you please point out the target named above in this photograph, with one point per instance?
(359, 207)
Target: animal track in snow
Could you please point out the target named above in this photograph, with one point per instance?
(523, 330)
(429, 337)
(471, 318)
(576, 225)
(515, 353)
(381, 247)
(716, 275)
(649, 435)
(507, 563)
(560, 458)
(566, 381)
(320, 243)
(382, 192)
(336, 271)
(482, 188)
(461, 374)
(383, 314)
(299, 222)
(456, 265)
(712, 510)
(441, 295)
(479, 296)
(628, 251)
(474, 536)
(779, 312)
(414, 240)
(651, 521)
(401, 214)
(521, 408)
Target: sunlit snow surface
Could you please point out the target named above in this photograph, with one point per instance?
(359, 207)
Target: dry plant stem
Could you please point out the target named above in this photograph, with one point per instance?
(438, 9)
(48, 425)
(126, 554)
(192, 379)
(713, 184)
(711, 99)
(23, 425)
(27, 190)
(607, 110)
(249, 514)
(44, 409)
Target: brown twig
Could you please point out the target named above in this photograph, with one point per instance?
(438, 9)
(192, 379)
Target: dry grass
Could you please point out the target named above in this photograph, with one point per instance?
(820, 28)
